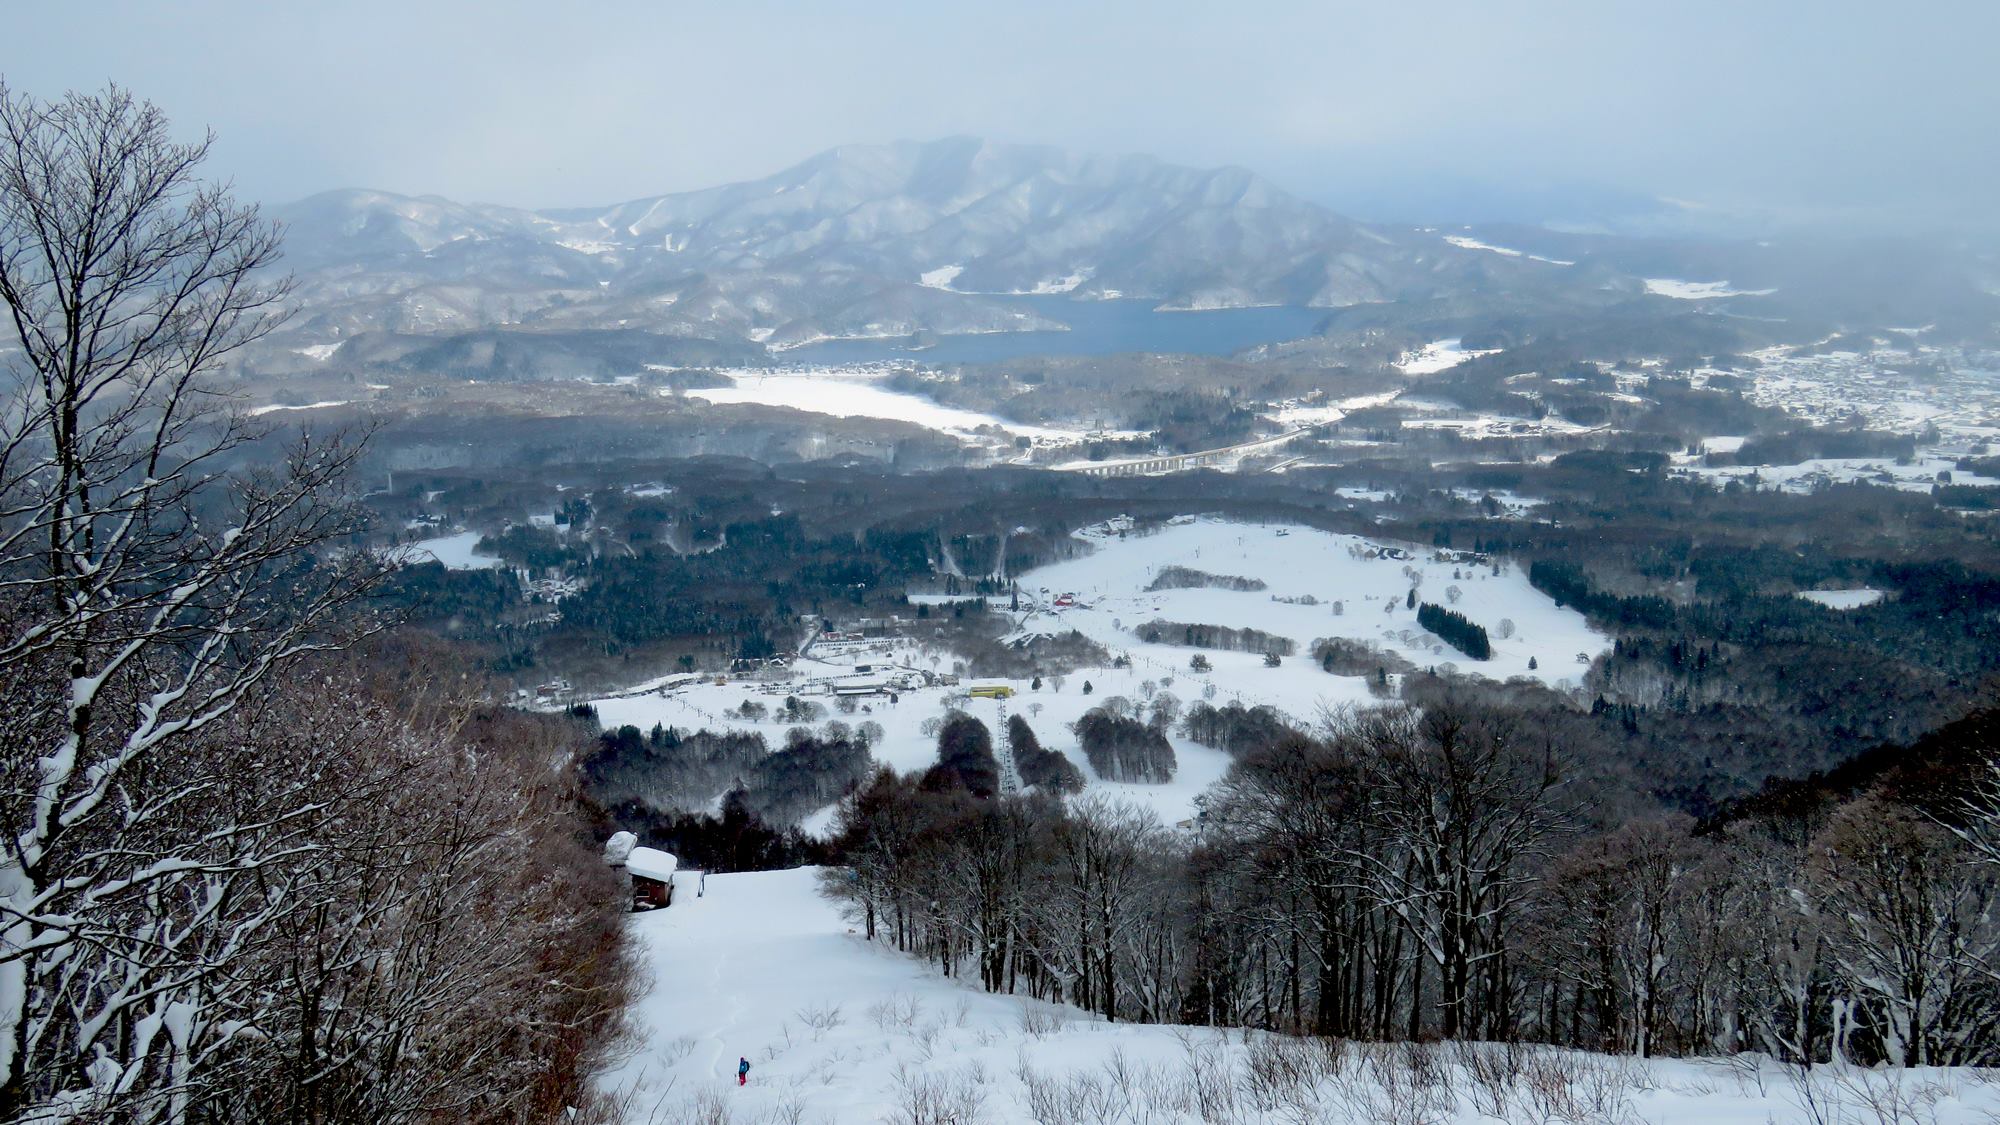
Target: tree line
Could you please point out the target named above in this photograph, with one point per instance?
(667, 771)
(1403, 874)
(1220, 637)
(1456, 630)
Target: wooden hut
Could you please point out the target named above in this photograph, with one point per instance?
(649, 871)
(652, 874)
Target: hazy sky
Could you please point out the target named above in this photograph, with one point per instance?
(1812, 107)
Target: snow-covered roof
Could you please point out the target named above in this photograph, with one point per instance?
(651, 863)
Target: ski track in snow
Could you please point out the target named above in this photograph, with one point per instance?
(717, 972)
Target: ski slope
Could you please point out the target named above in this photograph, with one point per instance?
(840, 1031)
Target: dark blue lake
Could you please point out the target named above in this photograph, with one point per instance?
(1096, 328)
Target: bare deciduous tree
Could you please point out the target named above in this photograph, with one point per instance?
(1462, 805)
(1978, 824)
(147, 589)
(1908, 925)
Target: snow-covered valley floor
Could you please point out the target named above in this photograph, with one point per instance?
(857, 392)
(1357, 594)
(839, 1031)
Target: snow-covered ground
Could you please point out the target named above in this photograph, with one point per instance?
(1464, 242)
(856, 392)
(1228, 459)
(1481, 427)
(1956, 390)
(941, 277)
(1295, 562)
(1109, 586)
(1921, 474)
(1436, 356)
(454, 551)
(1843, 599)
(906, 747)
(1698, 290)
(1297, 413)
(256, 411)
(1063, 284)
(841, 1031)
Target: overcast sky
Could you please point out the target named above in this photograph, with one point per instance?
(1795, 107)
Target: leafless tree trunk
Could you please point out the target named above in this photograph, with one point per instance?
(1461, 807)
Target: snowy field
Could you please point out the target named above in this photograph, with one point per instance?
(1920, 475)
(1843, 599)
(941, 277)
(1296, 413)
(840, 1031)
(905, 747)
(1109, 586)
(1464, 242)
(259, 411)
(454, 551)
(1485, 427)
(856, 392)
(1436, 356)
(1299, 562)
(1698, 290)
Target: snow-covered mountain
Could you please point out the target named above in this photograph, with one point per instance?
(861, 241)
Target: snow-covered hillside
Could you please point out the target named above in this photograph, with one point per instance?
(839, 1031)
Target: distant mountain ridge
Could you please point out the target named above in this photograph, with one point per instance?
(885, 240)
